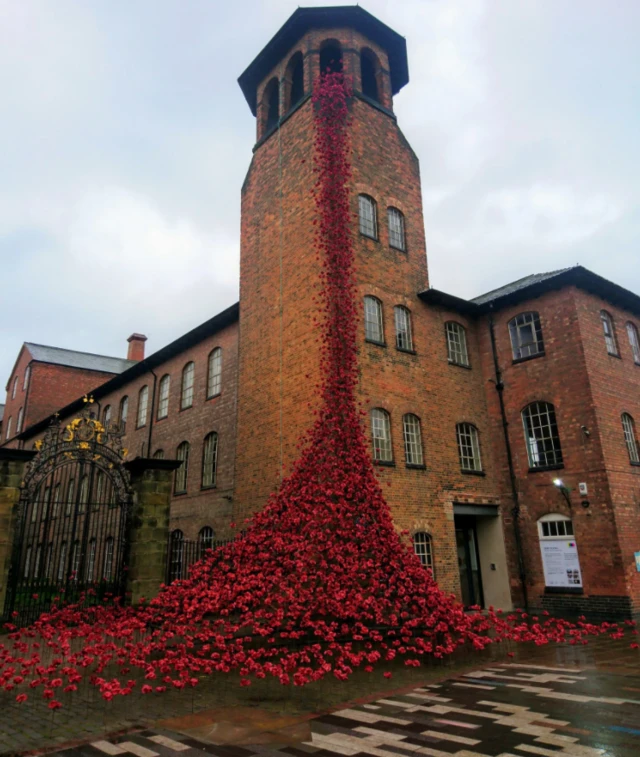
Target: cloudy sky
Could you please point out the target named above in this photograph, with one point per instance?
(125, 141)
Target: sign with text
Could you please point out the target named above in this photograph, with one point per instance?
(561, 563)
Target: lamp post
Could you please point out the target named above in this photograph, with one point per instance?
(564, 490)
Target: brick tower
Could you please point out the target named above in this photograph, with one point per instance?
(279, 364)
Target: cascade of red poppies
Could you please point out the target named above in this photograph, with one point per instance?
(320, 583)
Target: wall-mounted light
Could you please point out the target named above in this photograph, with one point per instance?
(564, 490)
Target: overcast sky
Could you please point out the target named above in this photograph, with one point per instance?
(125, 140)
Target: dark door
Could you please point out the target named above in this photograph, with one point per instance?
(469, 561)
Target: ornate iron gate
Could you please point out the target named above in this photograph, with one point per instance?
(71, 532)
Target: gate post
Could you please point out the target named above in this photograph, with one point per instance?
(148, 536)
(12, 463)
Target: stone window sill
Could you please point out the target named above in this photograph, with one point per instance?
(517, 360)
(374, 341)
(406, 352)
(459, 365)
(543, 468)
(415, 466)
(472, 472)
(385, 463)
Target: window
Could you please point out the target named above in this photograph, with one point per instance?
(19, 421)
(210, 459)
(143, 402)
(84, 493)
(106, 415)
(15, 388)
(176, 555)
(468, 447)
(91, 560)
(541, 435)
(412, 440)
(62, 560)
(369, 69)
(630, 438)
(396, 229)
(163, 396)
(294, 81)
(404, 339)
(27, 375)
(56, 501)
(8, 434)
(159, 454)
(423, 548)
(271, 104)
(456, 344)
(214, 378)
(330, 56)
(381, 435)
(373, 326)
(75, 560)
(205, 538)
(71, 494)
(634, 341)
(609, 334)
(560, 560)
(368, 216)
(526, 335)
(187, 386)
(100, 487)
(107, 569)
(124, 411)
(182, 453)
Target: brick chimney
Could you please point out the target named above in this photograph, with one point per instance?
(136, 347)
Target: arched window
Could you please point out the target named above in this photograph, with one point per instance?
(143, 403)
(526, 335)
(19, 421)
(163, 396)
(27, 376)
(373, 324)
(182, 453)
(404, 338)
(396, 229)
(294, 80)
(62, 561)
(176, 555)
(369, 71)
(541, 435)
(629, 428)
(381, 435)
(100, 487)
(609, 333)
(214, 377)
(330, 56)
(412, 440)
(8, 434)
(106, 415)
(560, 560)
(368, 216)
(271, 104)
(107, 568)
(188, 373)
(15, 388)
(210, 459)
(423, 547)
(124, 411)
(457, 352)
(468, 447)
(91, 561)
(205, 538)
(634, 341)
(159, 454)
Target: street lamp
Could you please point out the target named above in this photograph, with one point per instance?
(564, 490)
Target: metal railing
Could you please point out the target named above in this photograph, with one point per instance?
(183, 553)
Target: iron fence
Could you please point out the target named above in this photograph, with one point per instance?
(183, 553)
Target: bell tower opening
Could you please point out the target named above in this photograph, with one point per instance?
(331, 56)
(369, 74)
(271, 102)
(294, 81)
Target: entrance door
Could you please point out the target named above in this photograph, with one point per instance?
(469, 561)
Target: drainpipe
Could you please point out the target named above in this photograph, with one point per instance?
(515, 512)
(153, 406)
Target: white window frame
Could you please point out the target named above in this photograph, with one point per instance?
(397, 236)
(182, 472)
(457, 349)
(404, 335)
(163, 396)
(373, 320)
(124, 412)
(367, 216)
(27, 376)
(381, 435)
(609, 333)
(8, 434)
(15, 387)
(143, 406)
(468, 440)
(187, 387)
(205, 538)
(210, 460)
(544, 449)
(214, 373)
(423, 547)
(412, 435)
(518, 326)
(19, 421)
(106, 415)
(629, 430)
(634, 341)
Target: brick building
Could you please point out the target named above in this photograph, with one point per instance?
(476, 407)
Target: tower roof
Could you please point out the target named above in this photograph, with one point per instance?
(303, 19)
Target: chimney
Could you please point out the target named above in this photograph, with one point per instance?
(136, 347)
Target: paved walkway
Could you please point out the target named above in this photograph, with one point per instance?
(565, 701)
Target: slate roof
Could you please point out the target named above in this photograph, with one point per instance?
(73, 359)
(515, 286)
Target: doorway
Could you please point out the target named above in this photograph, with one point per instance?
(469, 561)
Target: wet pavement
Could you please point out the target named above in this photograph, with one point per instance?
(567, 701)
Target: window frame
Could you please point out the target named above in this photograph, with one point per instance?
(206, 537)
(19, 420)
(213, 439)
(182, 471)
(424, 539)
(385, 419)
(373, 221)
(409, 328)
(122, 416)
(402, 233)
(370, 298)
(634, 341)
(15, 387)
(106, 415)
(143, 407)
(416, 443)
(214, 373)
(8, 433)
(529, 318)
(176, 556)
(469, 429)
(611, 343)
(630, 438)
(464, 346)
(542, 407)
(27, 376)
(158, 454)
(187, 391)
(164, 388)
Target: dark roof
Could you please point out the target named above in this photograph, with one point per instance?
(73, 359)
(1, 412)
(304, 19)
(535, 285)
(182, 343)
